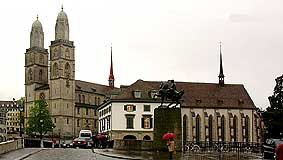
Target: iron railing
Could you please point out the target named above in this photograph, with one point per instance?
(215, 146)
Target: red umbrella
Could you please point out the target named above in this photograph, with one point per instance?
(167, 136)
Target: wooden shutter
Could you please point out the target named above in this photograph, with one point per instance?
(142, 123)
(151, 126)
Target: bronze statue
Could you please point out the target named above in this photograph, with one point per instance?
(167, 90)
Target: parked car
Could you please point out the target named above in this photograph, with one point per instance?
(82, 142)
(269, 147)
(67, 144)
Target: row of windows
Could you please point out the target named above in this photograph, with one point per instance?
(132, 108)
(12, 123)
(146, 122)
(105, 111)
(13, 114)
(12, 119)
(104, 124)
(79, 111)
(78, 121)
(220, 128)
(82, 99)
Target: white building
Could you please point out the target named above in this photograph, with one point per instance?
(129, 115)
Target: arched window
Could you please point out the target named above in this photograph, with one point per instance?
(198, 127)
(130, 137)
(67, 70)
(79, 98)
(83, 98)
(210, 120)
(30, 74)
(146, 138)
(235, 120)
(247, 123)
(55, 70)
(222, 137)
(185, 128)
(40, 75)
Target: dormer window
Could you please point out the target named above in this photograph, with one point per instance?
(137, 94)
(152, 93)
(220, 101)
(240, 101)
(198, 101)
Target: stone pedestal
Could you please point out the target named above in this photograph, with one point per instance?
(167, 120)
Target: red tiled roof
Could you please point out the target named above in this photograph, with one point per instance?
(196, 94)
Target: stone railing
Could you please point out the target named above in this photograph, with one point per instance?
(10, 145)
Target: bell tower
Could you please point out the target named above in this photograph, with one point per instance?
(62, 78)
(36, 64)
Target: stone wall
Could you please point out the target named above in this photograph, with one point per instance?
(138, 145)
(10, 146)
(167, 120)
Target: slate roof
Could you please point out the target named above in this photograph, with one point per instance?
(196, 94)
(95, 88)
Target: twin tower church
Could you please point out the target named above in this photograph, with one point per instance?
(209, 111)
(51, 76)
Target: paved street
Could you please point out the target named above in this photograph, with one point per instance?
(109, 154)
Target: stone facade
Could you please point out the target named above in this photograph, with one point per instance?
(72, 103)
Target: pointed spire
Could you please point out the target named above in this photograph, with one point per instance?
(111, 75)
(221, 75)
(62, 7)
(37, 17)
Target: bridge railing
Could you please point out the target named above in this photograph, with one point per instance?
(215, 146)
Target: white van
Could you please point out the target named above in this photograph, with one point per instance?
(85, 134)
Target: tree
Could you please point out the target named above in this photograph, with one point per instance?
(273, 116)
(39, 121)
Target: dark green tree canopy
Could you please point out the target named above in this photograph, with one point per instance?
(273, 116)
(40, 121)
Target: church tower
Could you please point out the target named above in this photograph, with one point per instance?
(36, 65)
(111, 78)
(221, 75)
(62, 78)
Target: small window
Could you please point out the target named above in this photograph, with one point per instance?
(137, 94)
(146, 108)
(78, 110)
(129, 108)
(78, 122)
(86, 112)
(54, 120)
(67, 120)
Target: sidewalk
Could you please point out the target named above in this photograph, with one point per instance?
(20, 154)
(114, 154)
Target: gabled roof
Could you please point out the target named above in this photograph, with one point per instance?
(196, 94)
(95, 88)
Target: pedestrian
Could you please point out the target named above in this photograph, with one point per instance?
(171, 148)
(279, 152)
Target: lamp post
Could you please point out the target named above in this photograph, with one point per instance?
(52, 137)
(41, 128)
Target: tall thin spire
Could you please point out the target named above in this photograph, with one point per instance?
(111, 75)
(221, 75)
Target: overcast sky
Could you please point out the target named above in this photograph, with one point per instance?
(153, 40)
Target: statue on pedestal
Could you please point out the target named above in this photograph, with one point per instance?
(167, 90)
